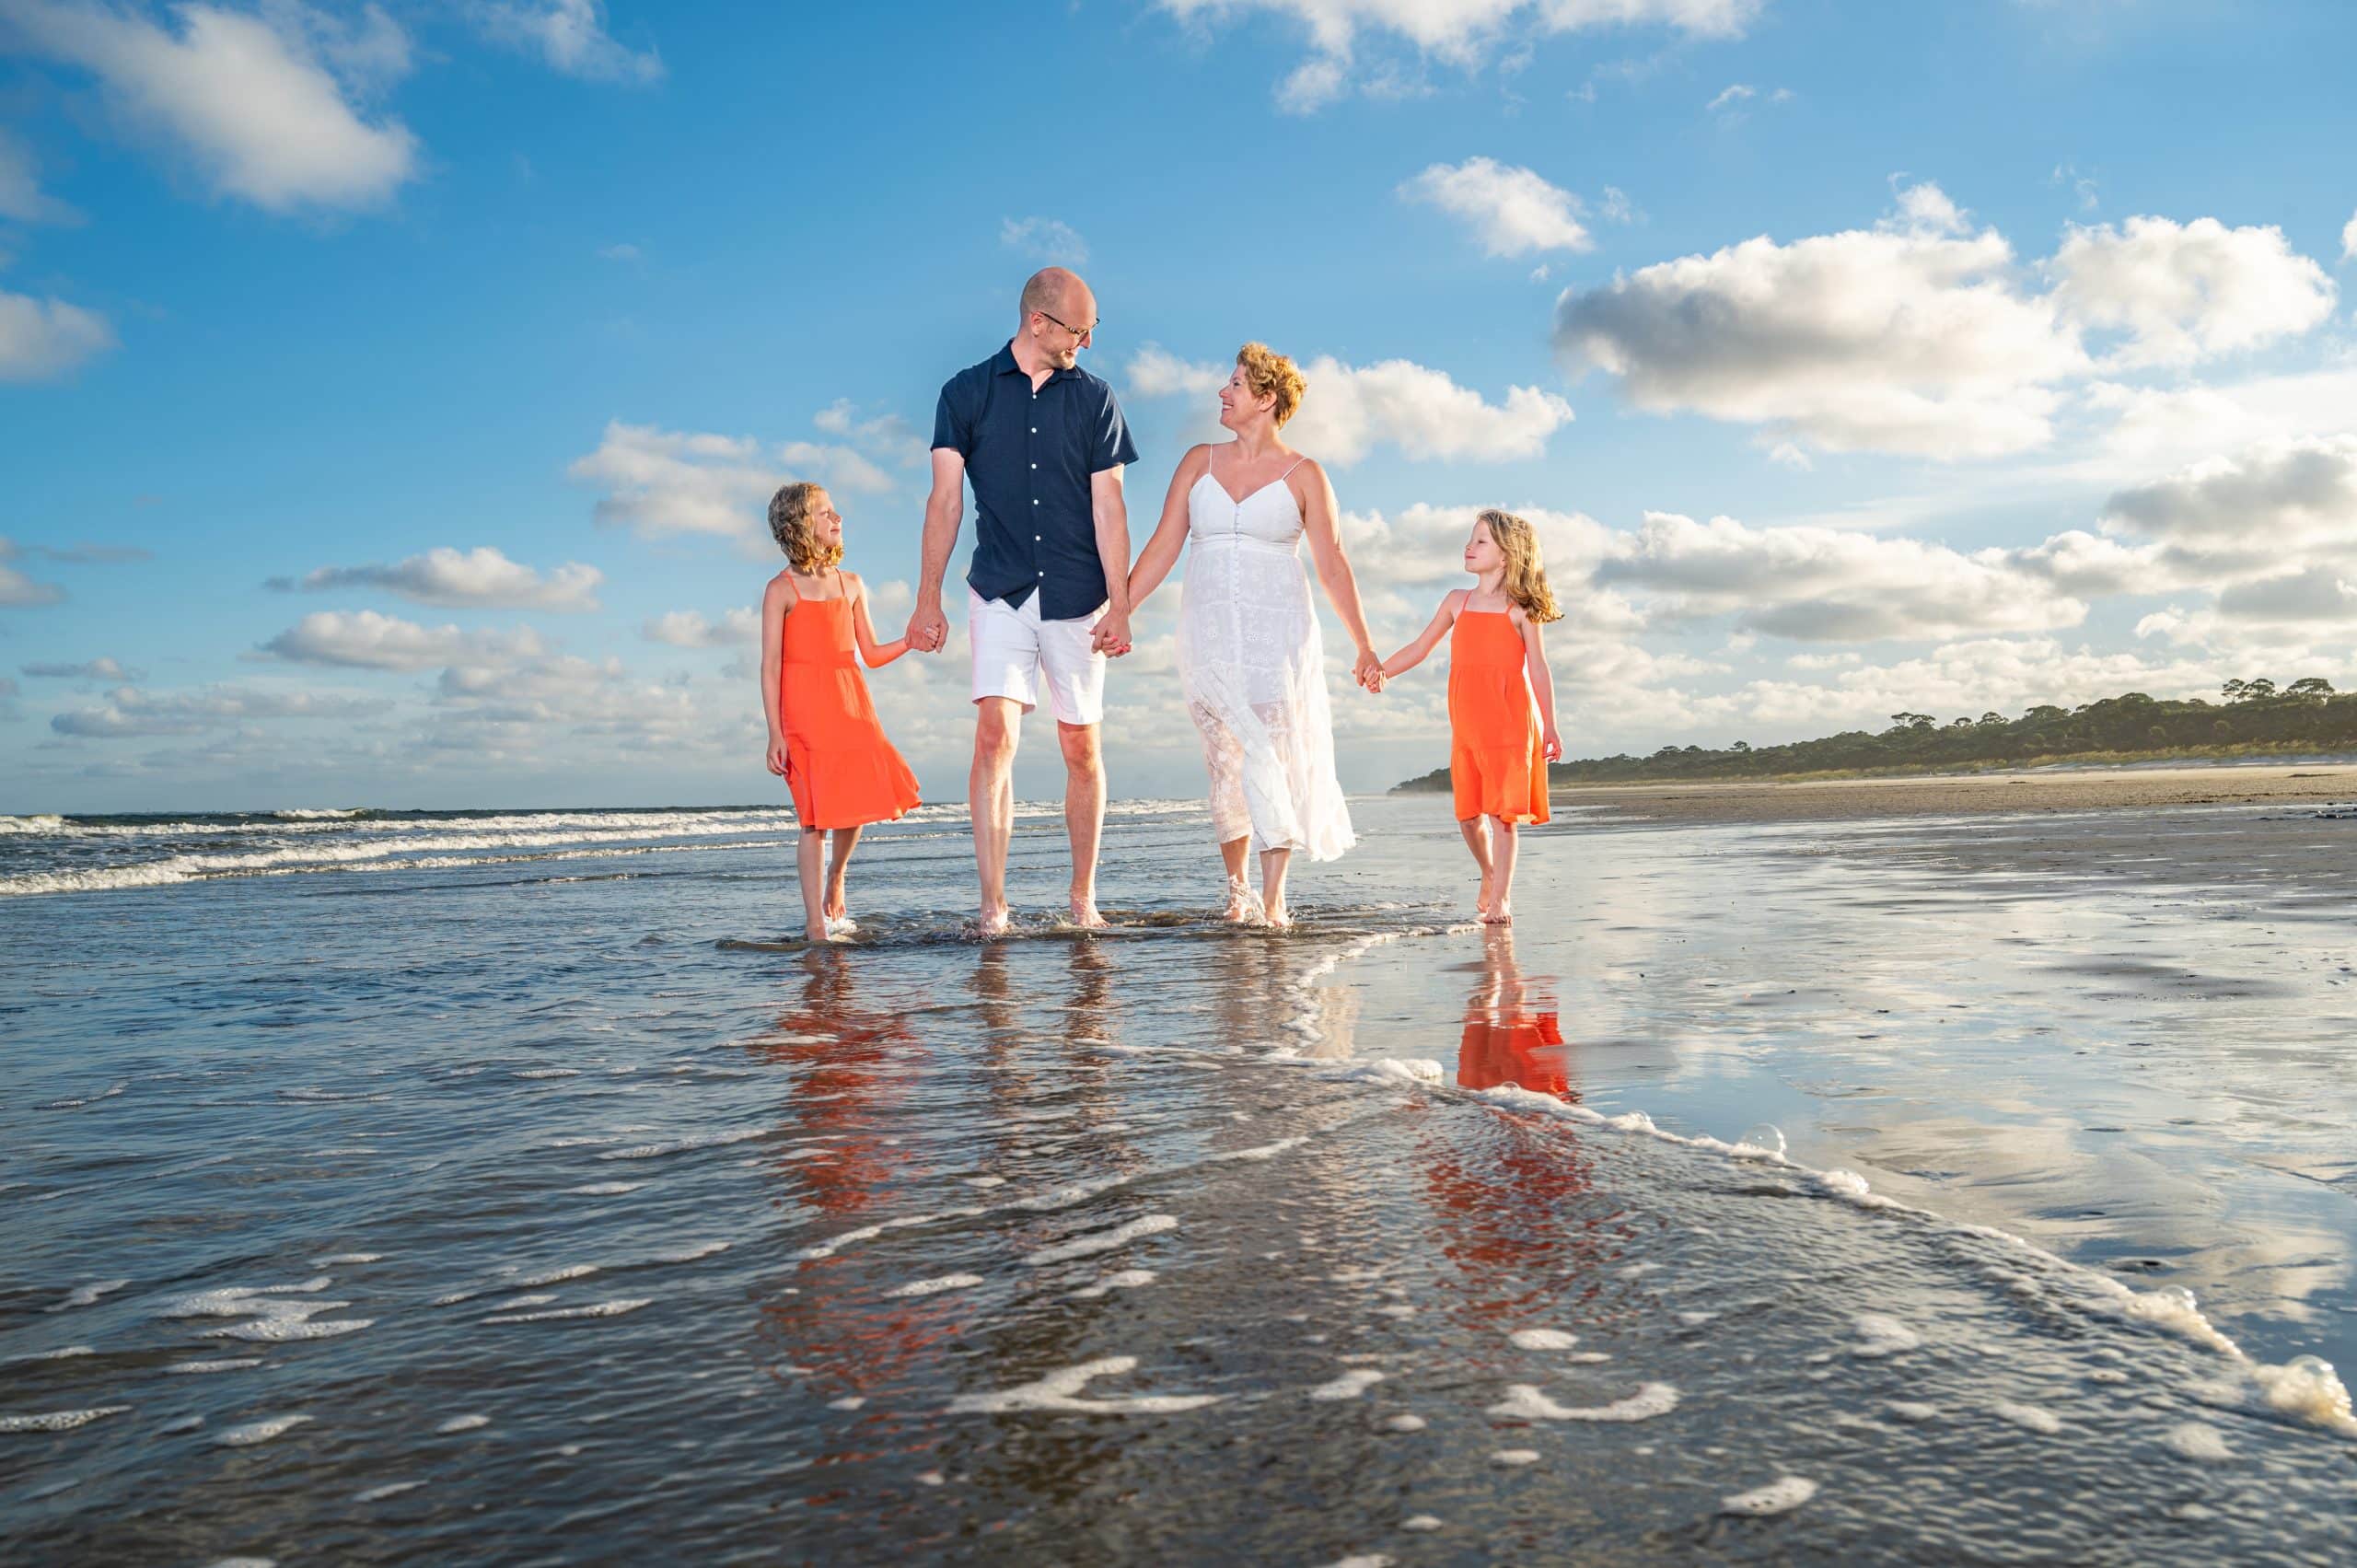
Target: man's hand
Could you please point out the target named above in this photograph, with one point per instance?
(1113, 634)
(928, 629)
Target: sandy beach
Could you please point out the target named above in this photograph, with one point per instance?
(1951, 794)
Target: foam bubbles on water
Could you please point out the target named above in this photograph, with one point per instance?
(689, 1253)
(1061, 1391)
(2308, 1388)
(1403, 1422)
(2030, 1418)
(1524, 1401)
(1542, 1339)
(1880, 1336)
(1913, 1409)
(332, 1258)
(1349, 1386)
(934, 1286)
(1422, 1524)
(238, 1364)
(88, 1295)
(1103, 1241)
(604, 1189)
(557, 1276)
(1121, 1279)
(2197, 1440)
(63, 1352)
(1512, 1458)
(59, 1421)
(596, 1309)
(254, 1432)
(1779, 1496)
(390, 1489)
(464, 1423)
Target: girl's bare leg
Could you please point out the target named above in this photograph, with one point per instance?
(1505, 841)
(809, 859)
(1477, 839)
(846, 839)
(1240, 908)
(1273, 863)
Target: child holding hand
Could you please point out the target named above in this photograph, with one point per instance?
(1501, 697)
(825, 740)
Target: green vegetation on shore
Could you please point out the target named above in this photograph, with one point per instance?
(2255, 719)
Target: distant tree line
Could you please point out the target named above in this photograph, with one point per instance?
(2256, 716)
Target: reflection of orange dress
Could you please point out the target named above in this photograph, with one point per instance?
(1522, 1049)
(1496, 764)
(842, 770)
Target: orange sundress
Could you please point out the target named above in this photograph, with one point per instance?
(1497, 765)
(842, 771)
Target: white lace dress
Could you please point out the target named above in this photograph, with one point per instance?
(1253, 665)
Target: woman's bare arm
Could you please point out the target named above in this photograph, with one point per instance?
(1161, 552)
(1320, 522)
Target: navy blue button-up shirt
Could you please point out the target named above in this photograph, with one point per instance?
(1030, 453)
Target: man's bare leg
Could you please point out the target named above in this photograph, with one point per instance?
(1084, 813)
(1477, 839)
(989, 796)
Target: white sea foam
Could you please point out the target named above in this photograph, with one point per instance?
(333, 1258)
(557, 1276)
(848, 1402)
(1542, 1339)
(605, 1188)
(1061, 1391)
(59, 1421)
(1120, 1279)
(597, 1309)
(2030, 1418)
(688, 1252)
(199, 1368)
(1349, 1386)
(517, 1303)
(1779, 1496)
(1524, 1401)
(682, 1145)
(1103, 1241)
(2197, 1440)
(548, 1073)
(63, 1352)
(88, 1295)
(390, 1489)
(1514, 1458)
(1881, 1336)
(935, 1286)
(1913, 1409)
(1421, 1523)
(254, 1432)
(464, 1423)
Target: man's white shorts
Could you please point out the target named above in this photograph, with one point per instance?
(1015, 651)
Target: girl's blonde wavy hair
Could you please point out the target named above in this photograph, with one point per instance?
(1526, 582)
(790, 525)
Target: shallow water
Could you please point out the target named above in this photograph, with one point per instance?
(560, 1208)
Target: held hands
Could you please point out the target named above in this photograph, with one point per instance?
(1111, 637)
(928, 629)
(1368, 671)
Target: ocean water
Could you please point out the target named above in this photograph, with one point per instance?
(511, 1187)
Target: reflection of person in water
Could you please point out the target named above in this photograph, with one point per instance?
(1508, 1037)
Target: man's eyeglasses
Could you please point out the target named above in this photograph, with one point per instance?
(1077, 332)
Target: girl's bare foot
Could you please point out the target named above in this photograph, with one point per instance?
(1482, 900)
(1502, 915)
(817, 930)
(994, 922)
(836, 908)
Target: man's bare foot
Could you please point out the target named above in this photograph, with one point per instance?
(994, 922)
(1084, 915)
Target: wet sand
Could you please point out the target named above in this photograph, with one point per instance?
(1951, 794)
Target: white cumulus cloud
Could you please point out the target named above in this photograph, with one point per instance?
(19, 591)
(101, 668)
(366, 640)
(128, 711)
(260, 104)
(1044, 239)
(1350, 410)
(2186, 292)
(477, 578)
(21, 197)
(659, 482)
(45, 338)
(1511, 211)
(571, 37)
(690, 628)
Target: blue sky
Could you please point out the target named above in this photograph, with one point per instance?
(1853, 357)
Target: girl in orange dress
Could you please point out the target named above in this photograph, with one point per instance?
(1501, 697)
(825, 741)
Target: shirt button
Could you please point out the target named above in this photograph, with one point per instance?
(1035, 430)
(1037, 537)
(1035, 500)
(1035, 465)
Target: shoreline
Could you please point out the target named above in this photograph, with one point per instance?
(1953, 794)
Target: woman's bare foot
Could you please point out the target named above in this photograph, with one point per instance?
(1243, 904)
(1276, 917)
(1084, 915)
(994, 922)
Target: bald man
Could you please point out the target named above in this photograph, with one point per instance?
(1047, 596)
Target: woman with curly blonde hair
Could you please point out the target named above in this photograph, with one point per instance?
(1250, 655)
